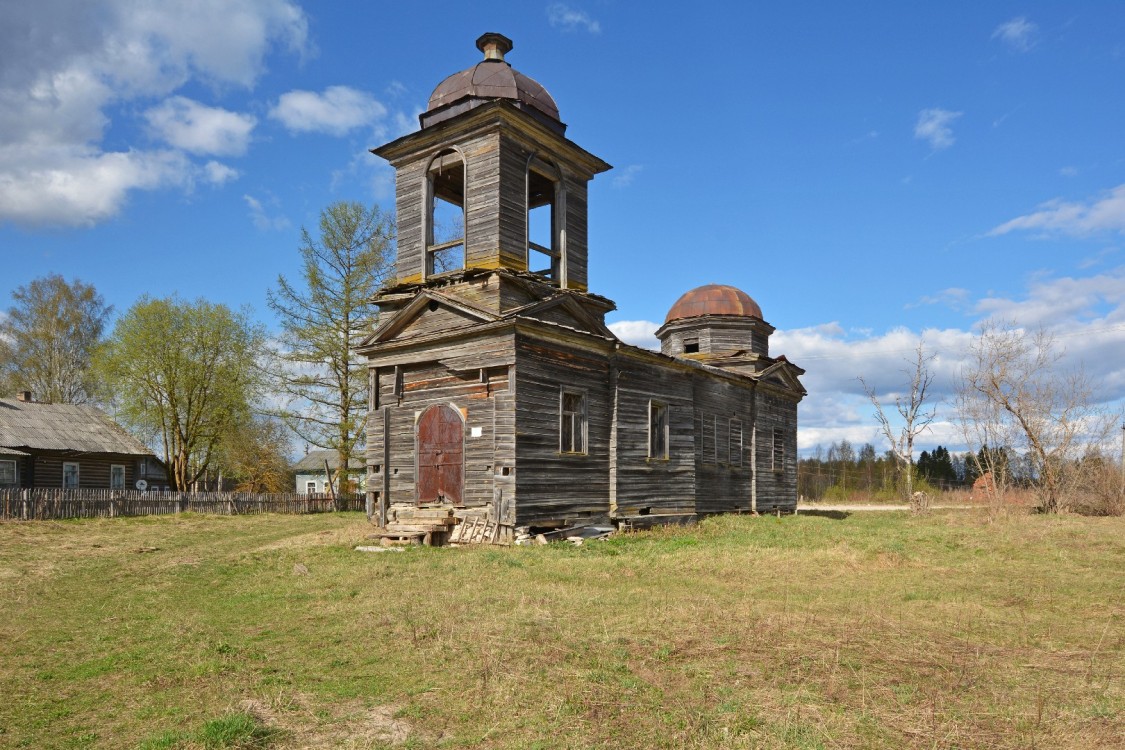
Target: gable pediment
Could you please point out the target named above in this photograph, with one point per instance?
(429, 313)
(783, 374)
(564, 310)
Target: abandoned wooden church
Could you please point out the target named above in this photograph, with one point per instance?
(499, 395)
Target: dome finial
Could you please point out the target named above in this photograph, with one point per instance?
(494, 46)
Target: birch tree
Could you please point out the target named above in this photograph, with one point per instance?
(48, 339)
(323, 317)
(1015, 394)
(914, 417)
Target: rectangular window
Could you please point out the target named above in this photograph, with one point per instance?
(657, 430)
(735, 441)
(69, 476)
(7, 473)
(310, 488)
(778, 449)
(572, 422)
(116, 477)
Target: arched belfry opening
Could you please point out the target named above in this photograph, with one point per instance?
(444, 218)
(546, 204)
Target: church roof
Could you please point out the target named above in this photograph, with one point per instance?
(493, 78)
(714, 299)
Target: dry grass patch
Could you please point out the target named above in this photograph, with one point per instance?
(880, 630)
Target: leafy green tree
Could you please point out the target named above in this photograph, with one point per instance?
(185, 374)
(323, 317)
(49, 337)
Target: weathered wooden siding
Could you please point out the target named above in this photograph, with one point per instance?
(46, 470)
(551, 485)
(472, 376)
(777, 486)
(652, 486)
(482, 189)
(577, 242)
(513, 204)
(410, 188)
(723, 469)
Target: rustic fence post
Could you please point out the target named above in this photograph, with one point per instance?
(23, 511)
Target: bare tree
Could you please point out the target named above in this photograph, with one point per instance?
(915, 418)
(1014, 392)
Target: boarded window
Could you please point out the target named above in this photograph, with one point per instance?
(708, 436)
(735, 429)
(116, 477)
(778, 462)
(7, 473)
(722, 441)
(572, 422)
(657, 430)
(70, 476)
(544, 252)
(445, 214)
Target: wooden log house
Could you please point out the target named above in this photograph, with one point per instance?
(499, 395)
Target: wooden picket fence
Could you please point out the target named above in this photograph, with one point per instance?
(58, 504)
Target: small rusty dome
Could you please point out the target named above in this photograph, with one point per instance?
(714, 299)
(493, 78)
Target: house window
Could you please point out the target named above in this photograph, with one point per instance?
(7, 473)
(310, 488)
(116, 477)
(142, 469)
(778, 449)
(735, 428)
(445, 213)
(572, 422)
(69, 476)
(657, 430)
(544, 245)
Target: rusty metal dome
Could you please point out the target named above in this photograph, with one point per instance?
(493, 78)
(714, 299)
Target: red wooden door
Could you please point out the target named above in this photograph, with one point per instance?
(441, 454)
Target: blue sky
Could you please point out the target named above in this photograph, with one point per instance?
(870, 173)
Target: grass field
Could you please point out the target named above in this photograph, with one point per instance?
(866, 631)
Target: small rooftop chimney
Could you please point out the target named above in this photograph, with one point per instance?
(25, 397)
(494, 46)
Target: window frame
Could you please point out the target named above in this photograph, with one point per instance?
(113, 467)
(546, 170)
(310, 487)
(77, 475)
(430, 248)
(15, 472)
(735, 453)
(581, 435)
(659, 411)
(777, 451)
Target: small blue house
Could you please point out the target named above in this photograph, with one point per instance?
(312, 479)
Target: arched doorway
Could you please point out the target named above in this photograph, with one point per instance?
(441, 455)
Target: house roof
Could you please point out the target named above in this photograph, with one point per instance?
(30, 425)
(313, 462)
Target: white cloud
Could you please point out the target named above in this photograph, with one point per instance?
(933, 126)
(64, 64)
(80, 186)
(636, 332)
(624, 178)
(336, 111)
(1103, 214)
(1019, 34)
(562, 16)
(199, 129)
(261, 218)
(953, 297)
(1068, 171)
(219, 174)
